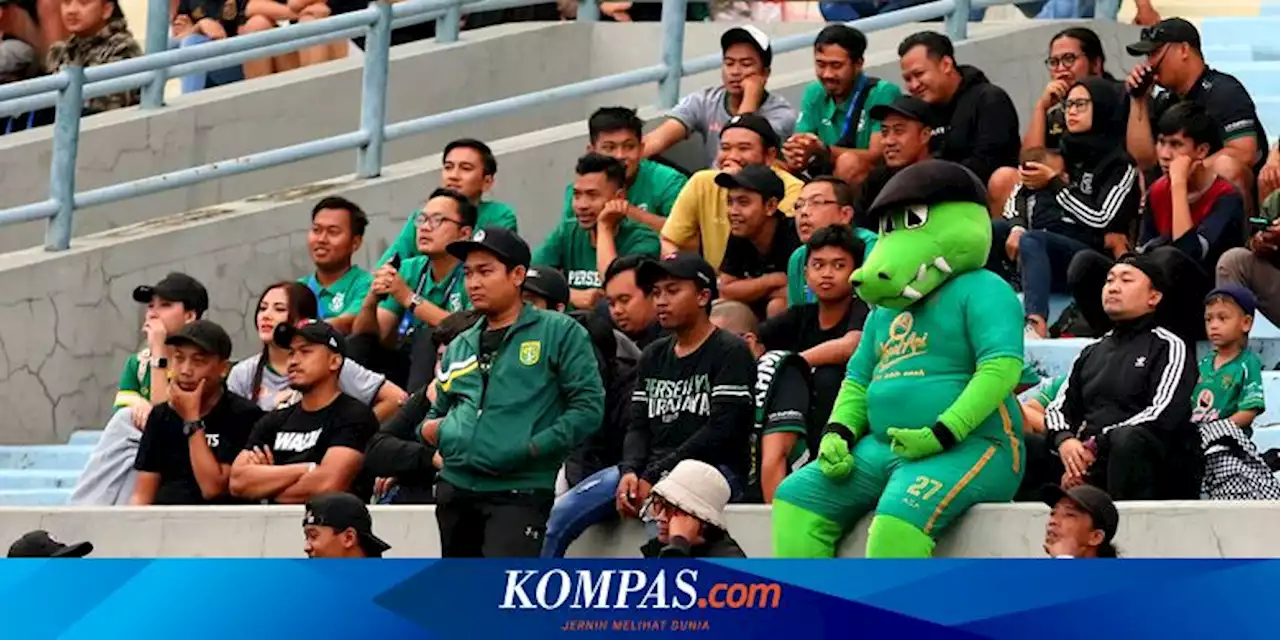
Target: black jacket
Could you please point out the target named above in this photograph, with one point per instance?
(603, 448)
(717, 544)
(1138, 375)
(397, 451)
(978, 128)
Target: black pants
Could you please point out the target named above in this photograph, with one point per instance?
(1182, 309)
(410, 366)
(1133, 464)
(506, 524)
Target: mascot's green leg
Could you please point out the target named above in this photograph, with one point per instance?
(892, 537)
(800, 533)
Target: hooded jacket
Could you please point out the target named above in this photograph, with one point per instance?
(978, 128)
(112, 44)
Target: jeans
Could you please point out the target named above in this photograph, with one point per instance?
(1044, 258)
(194, 82)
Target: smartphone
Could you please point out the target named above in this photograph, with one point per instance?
(1258, 225)
(1027, 166)
(1148, 78)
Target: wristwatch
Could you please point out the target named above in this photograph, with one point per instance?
(160, 363)
(189, 428)
(414, 301)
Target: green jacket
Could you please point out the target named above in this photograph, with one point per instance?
(512, 427)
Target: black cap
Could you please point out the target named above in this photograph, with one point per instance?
(929, 182)
(749, 34)
(754, 177)
(682, 266)
(341, 511)
(510, 248)
(206, 335)
(1149, 266)
(313, 331)
(548, 283)
(1167, 31)
(756, 123)
(1092, 500)
(177, 287)
(38, 544)
(909, 107)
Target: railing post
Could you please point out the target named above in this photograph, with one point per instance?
(157, 41)
(449, 24)
(588, 11)
(958, 21)
(673, 15)
(62, 169)
(373, 92)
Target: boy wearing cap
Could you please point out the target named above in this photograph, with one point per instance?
(517, 392)
(1082, 522)
(744, 70)
(600, 230)
(1230, 382)
(688, 506)
(545, 288)
(314, 446)
(190, 441)
(338, 525)
(761, 241)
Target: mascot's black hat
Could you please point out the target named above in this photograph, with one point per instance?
(929, 182)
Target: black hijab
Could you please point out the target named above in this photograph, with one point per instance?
(1105, 140)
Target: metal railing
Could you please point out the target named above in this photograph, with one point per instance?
(69, 88)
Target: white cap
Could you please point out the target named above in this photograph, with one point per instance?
(697, 489)
(749, 34)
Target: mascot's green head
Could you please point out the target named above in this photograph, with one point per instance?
(933, 225)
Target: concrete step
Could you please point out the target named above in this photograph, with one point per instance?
(45, 457)
(1238, 30)
(85, 437)
(37, 479)
(35, 497)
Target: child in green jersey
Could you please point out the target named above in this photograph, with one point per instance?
(1230, 384)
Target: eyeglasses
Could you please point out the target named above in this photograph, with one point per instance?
(432, 221)
(802, 204)
(1076, 104)
(1065, 60)
(654, 508)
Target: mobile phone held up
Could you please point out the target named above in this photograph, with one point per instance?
(1148, 79)
(1258, 225)
(395, 264)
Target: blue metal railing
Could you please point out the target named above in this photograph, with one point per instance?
(68, 89)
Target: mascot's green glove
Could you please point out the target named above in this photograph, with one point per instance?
(914, 444)
(848, 422)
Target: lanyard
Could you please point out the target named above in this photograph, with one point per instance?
(853, 104)
(407, 320)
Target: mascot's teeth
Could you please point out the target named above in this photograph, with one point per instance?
(911, 294)
(941, 263)
(922, 273)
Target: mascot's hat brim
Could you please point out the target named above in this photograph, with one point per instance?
(929, 182)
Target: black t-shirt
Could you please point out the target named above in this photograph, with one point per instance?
(797, 329)
(163, 449)
(296, 435)
(1227, 102)
(743, 260)
(866, 193)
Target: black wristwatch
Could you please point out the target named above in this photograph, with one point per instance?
(160, 363)
(189, 428)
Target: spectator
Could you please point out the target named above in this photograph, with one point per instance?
(761, 240)
(405, 466)
(338, 525)
(312, 10)
(1257, 266)
(1075, 211)
(1034, 407)
(1174, 61)
(651, 187)
(545, 288)
(395, 314)
(825, 201)
(99, 34)
(109, 477)
(263, 15)
(699, 221)
(17, 59)
(263, 378)
(1075, 53)
(617, 362)
(337, 232)
(629, 306)
(976, 124)
(190, 441)
(833, 125)
(1230, 383)
(744, 72)
(496, 486)
(313, 447)
(1122, 420)
(905, 137)
(196, 22)
(470, 168)
(37, 23)
(600, 231)
(781, 433)
(1082, 522)
(38, 544)
(688, 505)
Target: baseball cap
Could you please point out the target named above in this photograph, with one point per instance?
(756, 123)
(749, 34)
(1241, 295)
(38, 544)
(341, 511)
(754, 177)
(1092, 500)
(548, 283)
(206, 335)
(177, 287)
(682, 266)
(313, 331)
(1167, 31)
(510, 248)
(909, 107)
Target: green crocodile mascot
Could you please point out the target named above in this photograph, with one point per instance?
(926, 424)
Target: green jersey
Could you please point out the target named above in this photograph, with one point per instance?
(488, 214)
(654, 189)
(1048, 391)
(344, 296)
(569, 248)
(449, 294)
(798, 291)
(1233, 387)
(829, 120)
(135, 380)
(915, 363)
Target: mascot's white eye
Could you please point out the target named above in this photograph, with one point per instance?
(917, 215)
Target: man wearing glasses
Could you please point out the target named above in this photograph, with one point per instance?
(422, 291)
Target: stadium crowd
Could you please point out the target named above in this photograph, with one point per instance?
(677, 341)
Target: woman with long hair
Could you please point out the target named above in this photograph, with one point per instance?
(1074, 54)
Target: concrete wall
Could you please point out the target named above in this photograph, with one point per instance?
(1164, 530)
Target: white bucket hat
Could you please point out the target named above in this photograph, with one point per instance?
(697, 489)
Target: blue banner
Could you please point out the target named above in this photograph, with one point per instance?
(780, 600)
